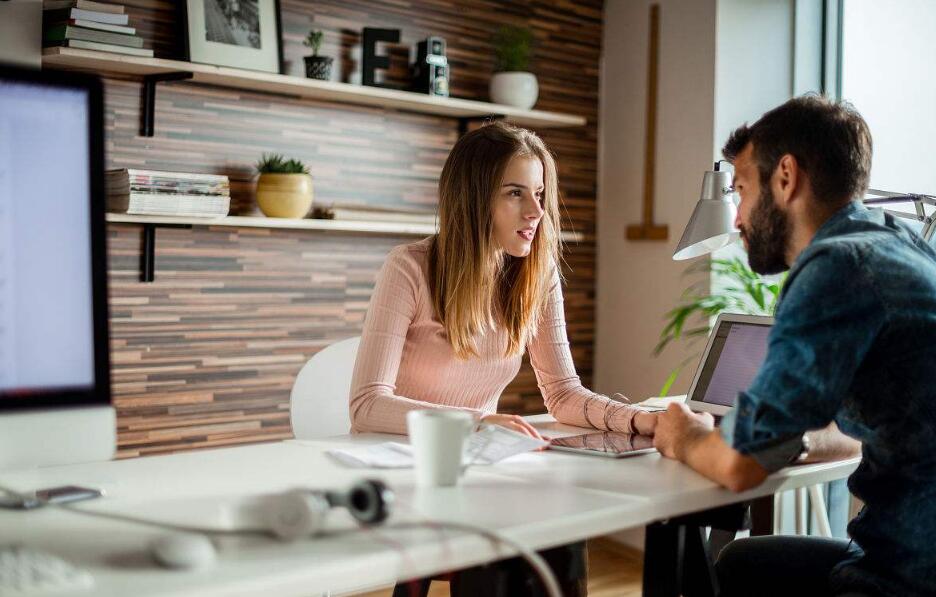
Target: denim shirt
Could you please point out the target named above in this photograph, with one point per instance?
(855, 342)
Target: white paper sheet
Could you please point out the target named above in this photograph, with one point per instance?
(492, 444)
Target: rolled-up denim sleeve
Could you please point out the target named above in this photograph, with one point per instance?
(827, 320)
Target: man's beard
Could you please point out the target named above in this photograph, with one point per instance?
(767, 236)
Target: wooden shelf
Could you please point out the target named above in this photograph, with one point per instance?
(72, 58)
(365, 227)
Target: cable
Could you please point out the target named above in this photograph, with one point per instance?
(135, 520)
(535, 560)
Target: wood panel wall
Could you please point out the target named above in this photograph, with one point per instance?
(206, 355)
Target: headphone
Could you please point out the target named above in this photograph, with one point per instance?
(301, 513)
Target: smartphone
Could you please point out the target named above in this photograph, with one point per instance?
(67, 493)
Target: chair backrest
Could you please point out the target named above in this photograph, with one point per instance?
(318, 405)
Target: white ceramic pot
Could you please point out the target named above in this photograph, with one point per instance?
(516, 89)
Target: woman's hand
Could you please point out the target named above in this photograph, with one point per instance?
(645, 423)
(514, 423)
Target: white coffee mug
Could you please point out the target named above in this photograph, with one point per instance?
(438, 438)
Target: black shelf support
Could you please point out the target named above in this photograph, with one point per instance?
(465, 121)
(148, 254)
(149, 98)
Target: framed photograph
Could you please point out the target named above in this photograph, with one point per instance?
(238, 33)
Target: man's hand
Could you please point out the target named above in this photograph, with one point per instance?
(678, 427)
(690, 438)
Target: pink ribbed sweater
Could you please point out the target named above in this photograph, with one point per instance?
(405, 362)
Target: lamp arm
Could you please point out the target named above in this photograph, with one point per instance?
(884, 198)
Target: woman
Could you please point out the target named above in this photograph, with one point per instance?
(452, 314)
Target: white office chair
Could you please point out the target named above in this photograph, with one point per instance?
(318, 404)
(816, 504)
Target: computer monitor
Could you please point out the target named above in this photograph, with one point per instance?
(55, 404)
(736, 349)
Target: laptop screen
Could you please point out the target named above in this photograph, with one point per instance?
(737, 352)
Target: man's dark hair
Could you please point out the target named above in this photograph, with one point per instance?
(830, 141)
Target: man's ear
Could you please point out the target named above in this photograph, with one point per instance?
(787, 179)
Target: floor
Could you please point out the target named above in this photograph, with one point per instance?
(614, 570)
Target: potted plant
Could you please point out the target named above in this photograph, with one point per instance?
(317, 67)
(512, 84)
(284, 189)
(740, 291)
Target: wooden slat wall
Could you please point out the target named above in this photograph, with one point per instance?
(206, 355)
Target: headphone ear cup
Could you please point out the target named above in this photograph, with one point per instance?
(369, 501)
(296, 514)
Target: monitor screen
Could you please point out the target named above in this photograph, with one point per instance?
(51, 257)
(737, 352)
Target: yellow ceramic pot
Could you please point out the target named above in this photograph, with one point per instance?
(284, 195)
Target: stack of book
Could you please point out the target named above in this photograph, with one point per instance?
(155, 193)
(90, 26)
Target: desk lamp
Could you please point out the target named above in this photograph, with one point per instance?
(711, 226)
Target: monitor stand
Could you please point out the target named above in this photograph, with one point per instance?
(55, 436)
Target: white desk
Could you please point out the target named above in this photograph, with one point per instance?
(542, 499)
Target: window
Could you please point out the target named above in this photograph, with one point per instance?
(886, 72)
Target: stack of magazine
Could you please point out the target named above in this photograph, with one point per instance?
(90, 26)
(156, 193)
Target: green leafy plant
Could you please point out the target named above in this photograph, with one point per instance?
(276, 163)
(314, 40)
(743, 291)
(513, 47)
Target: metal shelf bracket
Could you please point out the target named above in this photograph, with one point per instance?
(149, 98)
(148, 253)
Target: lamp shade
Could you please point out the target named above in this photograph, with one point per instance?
(711, 226)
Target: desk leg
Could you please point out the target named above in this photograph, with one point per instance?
(762, 516)
(699, 578)
(678, 558)
(663, 562)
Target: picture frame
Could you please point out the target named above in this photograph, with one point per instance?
(237, 33)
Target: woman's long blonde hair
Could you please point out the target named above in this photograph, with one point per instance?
(476, 286)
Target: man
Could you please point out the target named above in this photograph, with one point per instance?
(854, 345)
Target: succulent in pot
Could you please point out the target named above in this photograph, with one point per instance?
(317, 67)
(284, 189)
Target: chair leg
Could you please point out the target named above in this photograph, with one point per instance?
(800, 511)
(777, 513)
(413, 588)
(818, 506)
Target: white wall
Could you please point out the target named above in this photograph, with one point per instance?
(722, 62)
(754, 70)
(638, 281)
(887, 74)
(21, 32)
